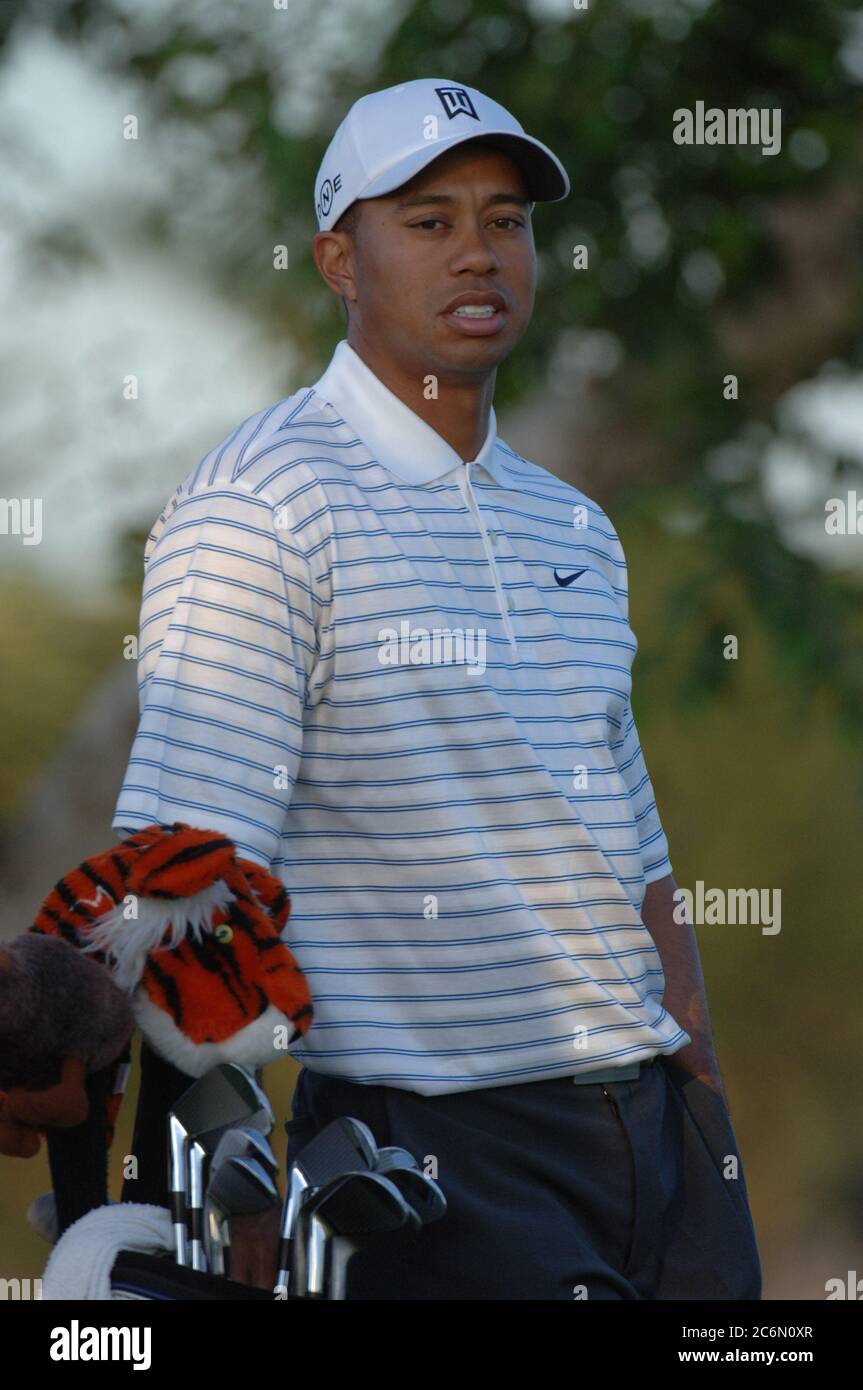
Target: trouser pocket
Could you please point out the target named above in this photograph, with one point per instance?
(709, 1120)
(712, 1119)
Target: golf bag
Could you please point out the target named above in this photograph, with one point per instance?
(159, 1279)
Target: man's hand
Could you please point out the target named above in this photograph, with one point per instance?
(254, 1248)
(706, 1070)
(685, 997)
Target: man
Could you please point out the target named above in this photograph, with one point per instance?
(365, 589)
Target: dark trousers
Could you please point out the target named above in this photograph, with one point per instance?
(557, 1190)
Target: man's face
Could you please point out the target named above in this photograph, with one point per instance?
(460, 229)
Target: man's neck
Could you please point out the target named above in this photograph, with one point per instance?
(460, 414)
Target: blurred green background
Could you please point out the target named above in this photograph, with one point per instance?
(154, 257)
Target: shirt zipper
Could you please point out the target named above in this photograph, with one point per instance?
(473, 508)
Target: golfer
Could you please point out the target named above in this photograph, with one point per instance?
(391, 658)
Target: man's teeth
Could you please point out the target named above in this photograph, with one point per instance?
(476, 311)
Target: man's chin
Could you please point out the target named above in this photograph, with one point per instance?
(482, 352)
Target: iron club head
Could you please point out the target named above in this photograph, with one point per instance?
(242, 1187)
(344, 1145)
(237, 1142)
(222, 1098)
(358, 1206)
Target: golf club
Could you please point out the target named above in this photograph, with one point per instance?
(197, 1160)
(420, 1191)
(393, 1157)
(241, 1142)
(217, 1235)
(247, 1142)
(240, 1187)
(177, 1185)
(423, 1193)
(343, 1146)
(357, 1204)
(224, 1097)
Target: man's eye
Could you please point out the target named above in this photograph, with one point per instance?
(430, 221)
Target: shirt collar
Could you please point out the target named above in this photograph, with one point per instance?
(403, 443)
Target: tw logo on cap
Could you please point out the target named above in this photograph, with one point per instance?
(456, 102)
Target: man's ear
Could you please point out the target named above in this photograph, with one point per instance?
(330, 252)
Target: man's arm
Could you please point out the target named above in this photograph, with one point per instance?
(685, 997)
(228, 644)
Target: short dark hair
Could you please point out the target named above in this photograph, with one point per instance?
(349, 220)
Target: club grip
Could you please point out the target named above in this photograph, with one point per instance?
(286, 1249)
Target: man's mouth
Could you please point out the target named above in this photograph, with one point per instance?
(476, 313)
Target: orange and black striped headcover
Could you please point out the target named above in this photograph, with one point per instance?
(177, 917)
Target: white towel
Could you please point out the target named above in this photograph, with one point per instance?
(81, 1262)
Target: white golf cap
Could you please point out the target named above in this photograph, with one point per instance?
(389, 136)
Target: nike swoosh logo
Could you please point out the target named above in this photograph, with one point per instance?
(569, 578)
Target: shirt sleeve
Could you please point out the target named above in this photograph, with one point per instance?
(626, 748)
(227, 646)
(630, 762)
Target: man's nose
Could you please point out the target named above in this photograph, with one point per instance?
(474, 249)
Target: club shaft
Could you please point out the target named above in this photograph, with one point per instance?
(177, 1167)
(316, 1258)
(342, 1250)
(197, 1159)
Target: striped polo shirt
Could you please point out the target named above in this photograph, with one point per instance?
(402, 682)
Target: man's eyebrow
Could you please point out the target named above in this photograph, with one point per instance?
(420, 199)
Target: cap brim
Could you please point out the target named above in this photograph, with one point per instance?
(545, 176)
